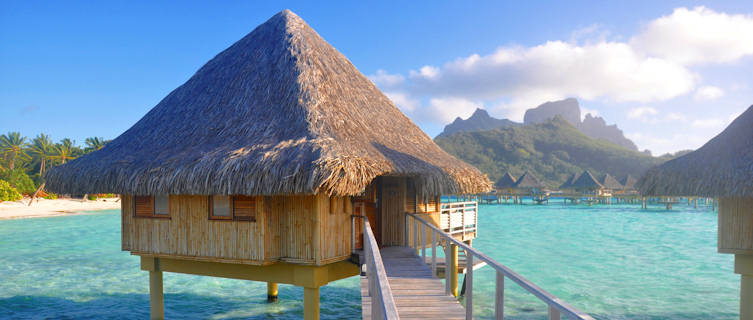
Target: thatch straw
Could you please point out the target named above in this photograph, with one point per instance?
(528, 181)
(569, 182)
(586, 181)
(609, 182)
(507, 181)
(723, 167)
(628, 182)
(279, 112)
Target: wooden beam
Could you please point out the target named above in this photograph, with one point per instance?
(299, 275)
(310, 303)
(272, 291)
(156, 300)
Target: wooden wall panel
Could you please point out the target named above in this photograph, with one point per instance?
(296, 229)
(735, 225)
(189, 233)
(393, 210)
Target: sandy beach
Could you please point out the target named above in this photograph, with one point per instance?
(47, 208)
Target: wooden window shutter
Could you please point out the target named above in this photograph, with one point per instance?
(143, 206)
(244, 208)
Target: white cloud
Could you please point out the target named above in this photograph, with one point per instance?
(384, 79)
(697, 36)
(675, 116)
(445, 110)
(707, 123)
(640, 112)
(611, 70)
(403, 101)
(667, 143)
(708, 93)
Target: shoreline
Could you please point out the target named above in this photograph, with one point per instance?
(42, 208)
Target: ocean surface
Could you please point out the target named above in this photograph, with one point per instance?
(612, 261)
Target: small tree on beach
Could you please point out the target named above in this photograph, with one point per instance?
(13, 146)
(95, 143)
(43, 148)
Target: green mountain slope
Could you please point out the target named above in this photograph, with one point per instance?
(552, 151)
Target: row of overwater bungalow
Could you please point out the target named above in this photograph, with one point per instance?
(576, 187)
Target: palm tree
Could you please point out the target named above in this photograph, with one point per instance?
(95, 143)
(65, 151)
(13, 145)
(43, 148)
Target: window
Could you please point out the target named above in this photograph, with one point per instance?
(242, 208)
(152, 206)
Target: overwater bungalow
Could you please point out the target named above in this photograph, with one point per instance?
(610, 183)
(567, 185)
(722, 168)
(529, 185)
(586, 186)
(628, 184)
(255, 167)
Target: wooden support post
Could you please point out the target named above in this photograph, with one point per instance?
(554, 314)
(433, 253)
(271, 291)
(156, 300)
(468, 285)
(423, 243)
(744, 267)
(453, 269)
(447, 263)
(310, 303)
(499, 297)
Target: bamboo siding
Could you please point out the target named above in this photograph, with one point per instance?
(735, 225)
(296, 229)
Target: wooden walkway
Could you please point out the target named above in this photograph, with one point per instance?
(417, 294)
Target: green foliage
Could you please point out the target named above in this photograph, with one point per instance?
(51, 196)
(92, 197)
(8, 192)
(19, 180)
(552, 151)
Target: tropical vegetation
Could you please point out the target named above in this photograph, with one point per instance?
(23, 161)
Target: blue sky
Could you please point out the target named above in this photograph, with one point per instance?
(80, 69)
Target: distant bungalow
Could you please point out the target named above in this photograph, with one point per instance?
(721, 168)
(587, 184)
(506, 183)
(567, 185)
(253, 168)
(528, 184)
(628, 183)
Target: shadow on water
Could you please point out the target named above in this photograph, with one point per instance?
(177, 306)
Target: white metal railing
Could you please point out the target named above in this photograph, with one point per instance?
(556, 305)
(459, 217)
(382, 304)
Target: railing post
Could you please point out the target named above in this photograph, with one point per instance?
(554, 314)
(433, 253)
(423, 243)
(352, 233)
(415, 234)
(468, 285)
(447, 279)
(499, 297)
(407, 230)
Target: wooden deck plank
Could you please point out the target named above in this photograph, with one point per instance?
(417, 294)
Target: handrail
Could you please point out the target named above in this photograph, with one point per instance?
(556, 305)
(382, 304)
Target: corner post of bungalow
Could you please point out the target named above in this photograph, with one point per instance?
(722, 168)
(258, 167)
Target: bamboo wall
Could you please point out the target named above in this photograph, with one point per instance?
(296, 229)
(735, 225)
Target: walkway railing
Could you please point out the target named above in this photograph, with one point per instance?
(382, 304)
(459, 217)
(556, 306)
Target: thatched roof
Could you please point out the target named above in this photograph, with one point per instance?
(528, 181)
(723, 167)
(280, 111)
(609, 182)
(507, 181)
(628, 182)
(586, 181)
(569, 182)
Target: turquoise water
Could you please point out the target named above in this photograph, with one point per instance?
(614, 262)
